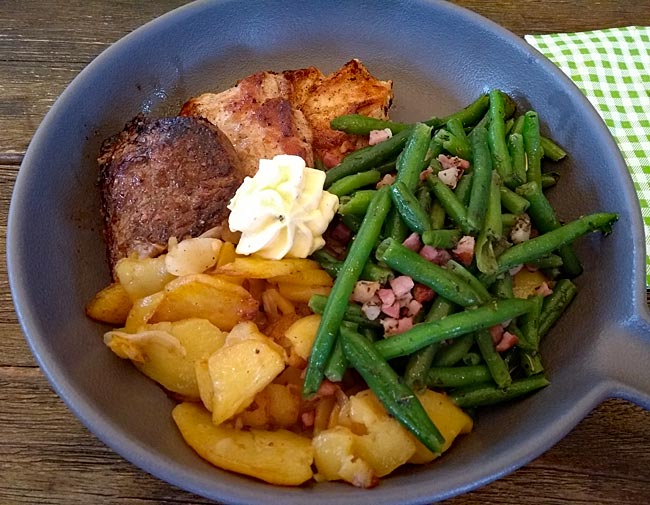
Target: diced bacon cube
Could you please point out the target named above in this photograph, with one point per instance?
(450, 176)
(391, 310)
(377, 136)
(464, 250)
(364, 291)
(413, 242)
(371, 310)
(507, 341)
(386, 180)
(423, 293)
(387, 296)
(401, 285)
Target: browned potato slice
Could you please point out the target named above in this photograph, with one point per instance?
(301, 293)
(253, 267)
(142, 277)
(240, 370)
(142, 311)
(278, 457)
(222, 303)
(302, 333)
(111, 305)
(315, 277)
(167, 352)
(450, 420)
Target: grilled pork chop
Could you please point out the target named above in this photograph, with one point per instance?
(161, 178)
(271, 113)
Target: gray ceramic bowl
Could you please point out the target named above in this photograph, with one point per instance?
(440, 58)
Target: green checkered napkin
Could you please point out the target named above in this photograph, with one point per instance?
(612, 68)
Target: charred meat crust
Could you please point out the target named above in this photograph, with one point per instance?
(161, 178)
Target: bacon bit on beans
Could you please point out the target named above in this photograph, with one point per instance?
(435, 254)
(377, 136)
(507, 341)
(413, 308)
(404, 324)
(413, 242)
(308, 418)
(464, 250)
(386, 180)
(327, 388)
(364, 291)
(453, 162)
(371, 310)
(387, 296)
(450, 176)
(423, 293)
(544, 289)
(401, 285)
(391, 310)
(426, 173)
(497, 333)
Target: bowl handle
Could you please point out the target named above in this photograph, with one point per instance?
(629, 364)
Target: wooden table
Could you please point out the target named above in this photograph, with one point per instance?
(47, 456)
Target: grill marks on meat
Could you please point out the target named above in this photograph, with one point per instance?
(271, 113)
(258, 118)
(161, 178)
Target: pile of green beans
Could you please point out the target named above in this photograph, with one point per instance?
(451, 346)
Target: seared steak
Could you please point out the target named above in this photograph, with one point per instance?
(161, 178)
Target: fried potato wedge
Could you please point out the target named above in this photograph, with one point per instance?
(302, 333)
(200, 295)
(300, 293)
(142, 277)
(253, 267)
(314, 277)
(111, 305)
(167, 352)
(239, 371)
(450, 420)
(278, 457)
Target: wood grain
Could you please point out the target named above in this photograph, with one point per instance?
(48, 457)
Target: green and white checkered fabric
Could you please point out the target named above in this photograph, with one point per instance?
(612, 68)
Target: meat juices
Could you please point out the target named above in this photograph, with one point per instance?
(162, 178)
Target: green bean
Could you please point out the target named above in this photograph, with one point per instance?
(371, 271)
(452, 326)
(543, 217)
(454, 351)
(512, 201)
(502, 287)
(353, 312)
(456, 141)
(351, 183)
(472, 358)
(493, 359)
(530, 325)
(356, 124)
(468, 116)
(367, 158)
(517, 158)
(497, 138)
(468, 277)
(419, 363)
(532, 145)
(549, 179)
(337, 363)
(518, 126)
(357, 204)
(395, 227)
(508, 220)
(411, 161)
(434, 150)
(531, 362)
(457, 376)
(337, 302)
(491, 231)
(540, 246)
(442, 281)
(450, 202)
(398, 399)
(547, 262)
(489, 394)
(555, 304)
(482, 175)
(425, 200)
(551, 150)
(352, 221)
(437, 215)
(409, 208)
(464, 188)
(443, 239)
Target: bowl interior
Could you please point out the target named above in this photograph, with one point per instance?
(440, 58)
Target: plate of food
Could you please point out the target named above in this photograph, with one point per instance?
(352, 252)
